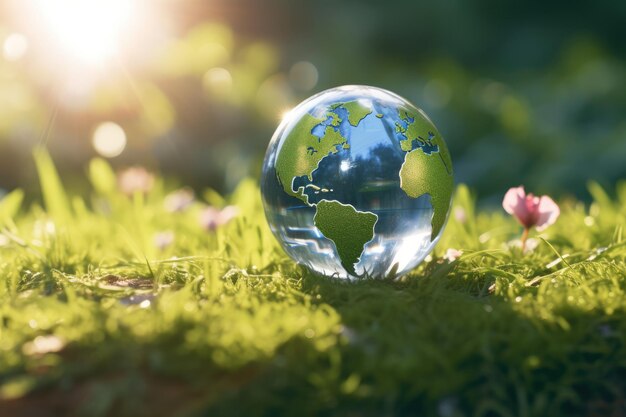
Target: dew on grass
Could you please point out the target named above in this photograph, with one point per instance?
(138, 299)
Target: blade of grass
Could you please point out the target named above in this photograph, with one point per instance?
(52, 189)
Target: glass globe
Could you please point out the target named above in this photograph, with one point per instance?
(357, 182)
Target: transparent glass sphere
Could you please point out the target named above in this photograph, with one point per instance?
(357, 182)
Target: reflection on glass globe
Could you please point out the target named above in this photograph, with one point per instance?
(357, 182)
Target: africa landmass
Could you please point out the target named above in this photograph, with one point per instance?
(423, 173)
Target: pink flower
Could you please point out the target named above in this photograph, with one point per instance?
(460, 215)
(211, 218)
(452, 255)
(179, 200)
(163, 240)
(530, 210)
(135, 180)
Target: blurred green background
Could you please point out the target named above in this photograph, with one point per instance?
(524, 93)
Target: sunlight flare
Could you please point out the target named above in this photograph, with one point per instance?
(87, 31)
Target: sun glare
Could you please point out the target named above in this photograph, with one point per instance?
(284, 115)
(88, 31)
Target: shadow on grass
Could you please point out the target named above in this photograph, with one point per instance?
(432, 345)
(445, 347)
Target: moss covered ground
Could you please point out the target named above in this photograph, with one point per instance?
(98, 320)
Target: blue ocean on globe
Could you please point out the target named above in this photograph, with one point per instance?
(357, 182)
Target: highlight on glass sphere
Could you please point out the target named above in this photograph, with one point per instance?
(357, 182)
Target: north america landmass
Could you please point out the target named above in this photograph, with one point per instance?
(427, 169)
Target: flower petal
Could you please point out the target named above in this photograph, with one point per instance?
(227, 214)
(520, 205)
(513, 198)
(179, 200)
(548, 213)
(135, 180)
(209, 218)
(452, 255)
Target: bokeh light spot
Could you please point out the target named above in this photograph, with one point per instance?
(109, 139)
(261, 56)
(209, 45)
(514, 115)
(273, 96)
(303, 75)
(217, 82)
(437, 93)
(15, 47)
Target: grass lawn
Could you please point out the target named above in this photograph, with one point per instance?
(98, 320)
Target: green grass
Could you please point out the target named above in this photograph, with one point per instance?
(95, 320)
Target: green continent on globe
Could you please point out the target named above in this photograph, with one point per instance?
(423, 173)
(302, 152)
(348, 228)
(424, 132)
(356, 112)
